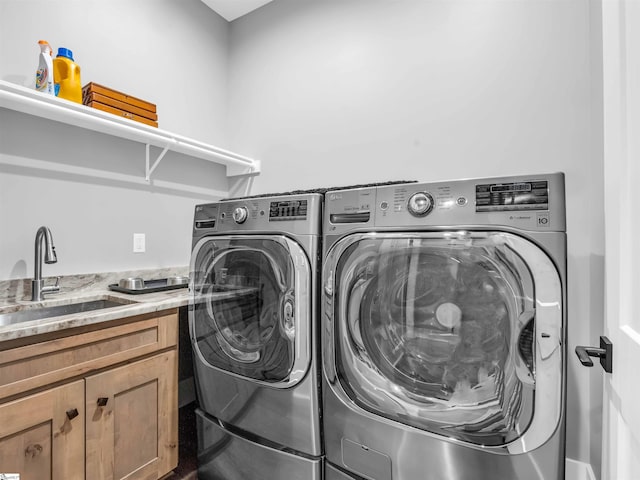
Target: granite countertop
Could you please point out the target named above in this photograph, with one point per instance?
(81, 288)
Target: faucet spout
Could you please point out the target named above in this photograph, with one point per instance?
(50, 249)
(37, 284)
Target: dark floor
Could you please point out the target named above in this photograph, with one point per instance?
(187, 468)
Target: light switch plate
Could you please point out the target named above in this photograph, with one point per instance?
(138, 243)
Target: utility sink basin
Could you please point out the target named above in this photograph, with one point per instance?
(37, 313)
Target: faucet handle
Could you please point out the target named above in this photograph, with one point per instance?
(52, 288)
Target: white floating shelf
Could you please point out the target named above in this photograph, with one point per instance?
(25, 100)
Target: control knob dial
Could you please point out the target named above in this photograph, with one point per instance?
(240, 214)
(420, 204)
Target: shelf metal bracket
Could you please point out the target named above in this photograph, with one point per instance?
(149, 170)
(244, 170)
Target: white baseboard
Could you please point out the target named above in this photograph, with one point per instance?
(576, 470)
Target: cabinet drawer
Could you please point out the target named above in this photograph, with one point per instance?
(33, 366)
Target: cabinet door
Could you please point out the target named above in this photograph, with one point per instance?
(132, 420)
(42, 435)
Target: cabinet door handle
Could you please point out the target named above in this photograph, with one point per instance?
(102, 401)
(73, 413)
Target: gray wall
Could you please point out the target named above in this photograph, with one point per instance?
(173, 54)
(339, 92)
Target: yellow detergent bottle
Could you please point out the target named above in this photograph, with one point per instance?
(66, 74)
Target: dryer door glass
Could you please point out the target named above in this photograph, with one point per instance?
(437, 331)
(245, 308)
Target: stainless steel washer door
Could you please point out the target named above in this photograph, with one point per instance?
(249, 308)
(458, 334)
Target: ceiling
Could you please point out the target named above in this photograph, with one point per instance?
(232, 9)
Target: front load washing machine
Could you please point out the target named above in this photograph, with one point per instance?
(444, 325)
(253, 328)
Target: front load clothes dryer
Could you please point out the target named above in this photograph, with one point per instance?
(252, 320)
(444, 330)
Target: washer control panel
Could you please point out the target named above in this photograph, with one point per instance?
(288, 210)
(294, 214)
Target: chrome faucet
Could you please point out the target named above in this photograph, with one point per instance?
(37, 284)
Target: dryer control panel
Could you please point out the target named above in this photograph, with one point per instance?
(502, 197)
(527, 202)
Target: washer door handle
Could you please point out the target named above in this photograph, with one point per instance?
(605, 353)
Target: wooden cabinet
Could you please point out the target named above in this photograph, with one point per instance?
(101, 401)
(130, 432)
(39, 439)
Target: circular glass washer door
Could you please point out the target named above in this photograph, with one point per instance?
(458, 334)
(250, 307)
